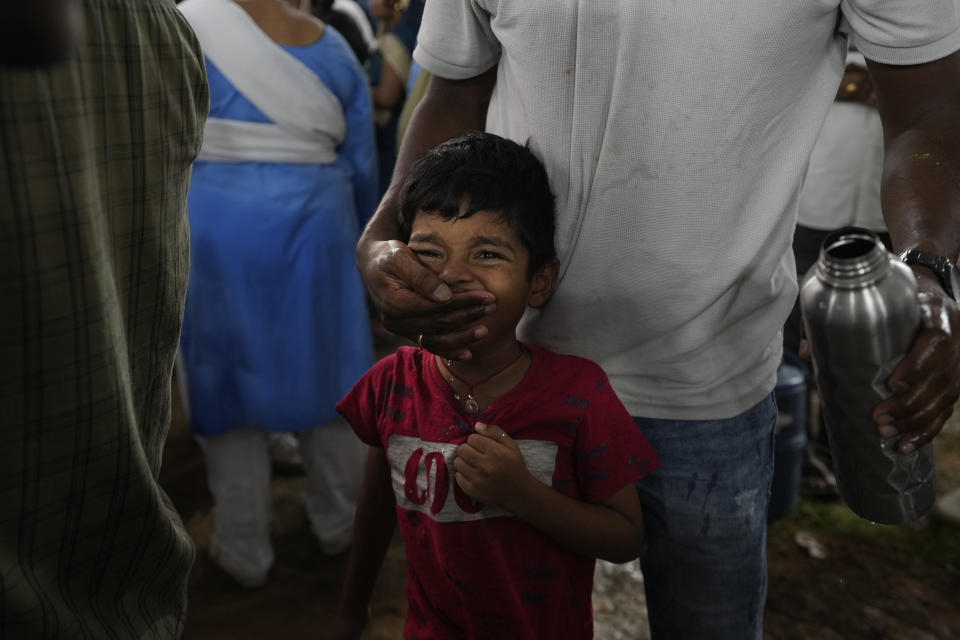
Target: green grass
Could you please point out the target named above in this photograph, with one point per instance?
(932, 544)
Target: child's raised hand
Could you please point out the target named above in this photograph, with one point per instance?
(490, 468)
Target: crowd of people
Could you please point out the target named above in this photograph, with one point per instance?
(582, 215)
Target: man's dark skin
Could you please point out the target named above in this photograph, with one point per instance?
(920, 109)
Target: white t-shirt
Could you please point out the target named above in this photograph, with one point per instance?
(843, 180)
(676, 136)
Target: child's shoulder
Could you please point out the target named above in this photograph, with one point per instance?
(402, 358)
(569, 375)
(565, 364)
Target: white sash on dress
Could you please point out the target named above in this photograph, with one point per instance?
(309, 120)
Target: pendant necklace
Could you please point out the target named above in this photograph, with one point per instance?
(470, 404)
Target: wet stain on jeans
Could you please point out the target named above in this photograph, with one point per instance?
(746, 502)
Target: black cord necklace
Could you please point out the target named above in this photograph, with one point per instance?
(470, 404)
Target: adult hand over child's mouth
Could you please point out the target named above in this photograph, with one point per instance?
(415, 303)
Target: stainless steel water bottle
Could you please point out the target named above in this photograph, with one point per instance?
(860, 313)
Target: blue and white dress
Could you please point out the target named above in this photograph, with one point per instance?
(276, 328)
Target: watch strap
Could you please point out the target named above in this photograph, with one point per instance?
(946, 272)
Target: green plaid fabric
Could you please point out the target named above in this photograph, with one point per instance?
(95, 162)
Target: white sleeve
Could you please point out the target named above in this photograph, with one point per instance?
(455, 39)
(902, 31)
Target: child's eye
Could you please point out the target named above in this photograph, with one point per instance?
(486, 254)
(428, 254)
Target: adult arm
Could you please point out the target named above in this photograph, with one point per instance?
(920, 109)
(36, 32)
(490, 469)
(410, 297)
(372, 531)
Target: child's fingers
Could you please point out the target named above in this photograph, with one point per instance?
(465, 483)
(468, 455)
(479, 443)
(467, 476)
(488, 438)
(493, 432)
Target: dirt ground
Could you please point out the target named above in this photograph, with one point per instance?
(832, 575)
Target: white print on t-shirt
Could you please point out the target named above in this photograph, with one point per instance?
(423, 477)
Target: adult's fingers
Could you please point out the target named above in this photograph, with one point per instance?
(930, 394)
(415, 303)
(389, 269)
(452, 346)
(917, 438)
(453, 315)
(393, 272)
(919, 419)
(926, 383)
(929, 356)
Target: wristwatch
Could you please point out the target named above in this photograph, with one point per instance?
(946, 271)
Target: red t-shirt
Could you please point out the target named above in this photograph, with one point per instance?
(474, 571)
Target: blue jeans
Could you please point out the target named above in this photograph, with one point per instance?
(705, 514)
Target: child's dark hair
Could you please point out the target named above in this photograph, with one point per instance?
(484, 172)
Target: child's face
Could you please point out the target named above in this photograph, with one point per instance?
(483, 253)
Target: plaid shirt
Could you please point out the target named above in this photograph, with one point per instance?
(94, 169)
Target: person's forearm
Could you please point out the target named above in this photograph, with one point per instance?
(921, 191)
(589, 529)
(373, 529)
(920, 109)
(448, 108)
